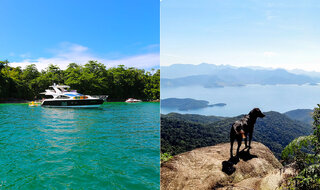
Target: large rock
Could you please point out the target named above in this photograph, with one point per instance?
(211, 168)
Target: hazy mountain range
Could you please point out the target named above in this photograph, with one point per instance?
(209, 75)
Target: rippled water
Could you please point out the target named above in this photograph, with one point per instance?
(115, 147)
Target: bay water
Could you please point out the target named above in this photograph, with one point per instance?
(114, 147)
(240, 100)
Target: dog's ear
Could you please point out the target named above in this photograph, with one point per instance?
(251, 113)
(254, 111)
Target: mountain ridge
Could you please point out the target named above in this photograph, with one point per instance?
(183, 70)
(211, 76)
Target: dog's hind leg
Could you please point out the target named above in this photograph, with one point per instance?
(239, 139)
(232, 138)
(231, 147)
(245, 140)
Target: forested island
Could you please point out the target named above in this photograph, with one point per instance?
(185, 104)
(93, 78)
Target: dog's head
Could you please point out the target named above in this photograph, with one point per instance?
(256, 112)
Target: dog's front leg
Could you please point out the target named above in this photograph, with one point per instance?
(250, 138)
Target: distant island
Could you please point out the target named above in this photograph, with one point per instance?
(185, 104)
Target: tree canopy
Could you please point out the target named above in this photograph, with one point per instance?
(92, 78)
(304, 154)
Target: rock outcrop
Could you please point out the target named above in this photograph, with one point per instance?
(211, 168)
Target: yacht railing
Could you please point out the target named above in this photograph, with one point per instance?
(104, 97)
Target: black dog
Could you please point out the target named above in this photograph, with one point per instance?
(241, 128)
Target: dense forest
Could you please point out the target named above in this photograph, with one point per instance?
(92, 78)
(181, 133)
(303, 154)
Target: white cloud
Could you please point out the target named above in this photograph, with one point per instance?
(140, 61)
(269, 53)
(25, 55)
(75, 53)
(78, 48)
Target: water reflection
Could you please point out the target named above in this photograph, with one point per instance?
(60, 128)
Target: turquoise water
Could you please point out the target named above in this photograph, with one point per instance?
(115, 147)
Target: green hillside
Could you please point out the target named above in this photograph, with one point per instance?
(179, 134)
(303, 115)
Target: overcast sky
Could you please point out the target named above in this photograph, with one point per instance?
(277, 34)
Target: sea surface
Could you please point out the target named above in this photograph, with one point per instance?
(115, 147)
(240, 100)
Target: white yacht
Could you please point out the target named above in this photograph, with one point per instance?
(63, 97)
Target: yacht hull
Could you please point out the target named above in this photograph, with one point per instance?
(82, 103)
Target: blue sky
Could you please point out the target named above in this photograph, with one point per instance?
(267, 33)
(59, 32)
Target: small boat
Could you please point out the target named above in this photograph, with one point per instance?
(63, 97)
(34, 104)
(132, 100)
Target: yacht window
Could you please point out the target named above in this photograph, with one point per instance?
(62, 89)
(62, 97)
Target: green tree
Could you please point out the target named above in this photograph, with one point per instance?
(304, 152)
(52, 74)
(152, 88)
(72, 76)
(93, 78)
(30, 73)
(3, 64)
